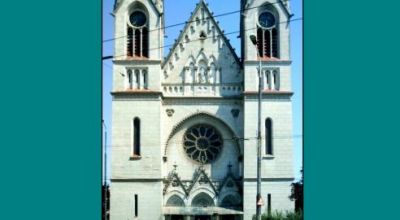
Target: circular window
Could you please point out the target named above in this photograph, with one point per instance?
(266, 19)
(138, 19)
(202, 143)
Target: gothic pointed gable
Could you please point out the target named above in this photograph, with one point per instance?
(173, 180)
(200, 178)
(203, 40)
(229, 183)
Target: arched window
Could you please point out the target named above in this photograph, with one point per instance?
(267, 33)
(202, 200)
(268, 136)
(136, 137)
(145, 79)
(138, 34)
(231, 201)
(175, 201)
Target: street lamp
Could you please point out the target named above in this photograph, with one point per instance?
(253, 39)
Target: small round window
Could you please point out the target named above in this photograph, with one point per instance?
(202, 143)
(267, 19)
(138, 19)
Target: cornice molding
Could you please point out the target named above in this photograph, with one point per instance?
(136, 61)
(267, 62)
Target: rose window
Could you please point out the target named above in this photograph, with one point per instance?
(202, 143)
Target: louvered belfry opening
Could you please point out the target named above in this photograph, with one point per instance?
(267, 42)
(260, 41)
(138, 33)
(274, 45)
(268, 32)
(130, 42)
(137, 43)
(145, 43)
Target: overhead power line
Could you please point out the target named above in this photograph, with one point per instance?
(277, 137)
(219, 35)
(207, 18)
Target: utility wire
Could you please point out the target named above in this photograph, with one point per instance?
(230, 139)
(219, 35)
(207, 18)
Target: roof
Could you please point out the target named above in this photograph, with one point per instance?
(244, 4)
(117, 3)
(191, 20)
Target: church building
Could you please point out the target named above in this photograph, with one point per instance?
(184, 127)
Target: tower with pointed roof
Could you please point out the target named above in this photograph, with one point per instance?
(183, 126)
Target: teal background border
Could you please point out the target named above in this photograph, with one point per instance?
(50, 90)
(351, 109)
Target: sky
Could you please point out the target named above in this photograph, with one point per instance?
(178, 11)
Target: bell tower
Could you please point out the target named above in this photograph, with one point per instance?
(136, 110)
(269, 22)
(139, 39)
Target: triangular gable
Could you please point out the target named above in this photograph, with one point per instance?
(208, 16)
(229, 184)
(201, 177)
(174, 180)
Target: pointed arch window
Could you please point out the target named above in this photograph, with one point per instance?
(268, 137)
(136, 137)
(138, 35)
(175, 201)
(202, 200)
(267, 35)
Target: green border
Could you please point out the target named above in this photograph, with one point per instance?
(51, 109)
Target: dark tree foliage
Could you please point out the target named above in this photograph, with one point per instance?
(297, 193)
(105, 194)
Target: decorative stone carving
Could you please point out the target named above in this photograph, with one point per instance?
(170, 112)
(235, 112)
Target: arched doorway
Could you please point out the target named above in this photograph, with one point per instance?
(202, 200)
(175, 201)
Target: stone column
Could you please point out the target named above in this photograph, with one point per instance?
(218, 75)
(141, 77)
(265, 76)
(186, 78)
(272, 80)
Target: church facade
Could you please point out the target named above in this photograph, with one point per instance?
(184, 127)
